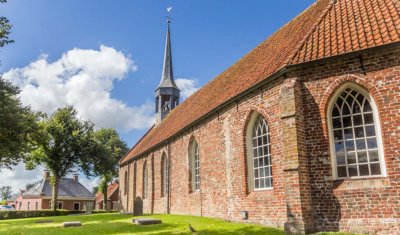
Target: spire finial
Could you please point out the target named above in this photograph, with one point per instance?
(169, 10)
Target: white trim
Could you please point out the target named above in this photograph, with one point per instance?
(376, 125)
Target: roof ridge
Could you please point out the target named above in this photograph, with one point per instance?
(310, 33)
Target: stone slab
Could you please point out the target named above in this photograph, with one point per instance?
(146, 221)
(72, 224)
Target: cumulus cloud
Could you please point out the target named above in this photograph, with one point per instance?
(187, 86)
(19, 177)
(84, 79)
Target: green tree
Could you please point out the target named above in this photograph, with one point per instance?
(5, 29)
(18, 126)
(110, 149)
(65, 146)
(5, 192)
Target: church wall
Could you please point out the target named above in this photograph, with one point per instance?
(363, 205)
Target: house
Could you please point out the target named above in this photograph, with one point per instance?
(301, 133)
(112, 198)
(72, 195)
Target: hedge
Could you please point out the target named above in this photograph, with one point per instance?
(40, 213)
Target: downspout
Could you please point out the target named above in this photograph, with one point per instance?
(152, 184)
(169, 177)
(127, 193)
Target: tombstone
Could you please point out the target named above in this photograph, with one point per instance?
(138, 206)
(89, 208)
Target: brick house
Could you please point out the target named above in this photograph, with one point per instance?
(301, 133)
(72, 195)
(112, 198)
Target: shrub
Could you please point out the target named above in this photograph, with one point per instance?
(41, 213)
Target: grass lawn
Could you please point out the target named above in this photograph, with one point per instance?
(121, 224)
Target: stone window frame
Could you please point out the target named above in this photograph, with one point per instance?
(194, 166)
(145, 180)
(251, 179)
(377, 129)
(126, 183)
(164, 175)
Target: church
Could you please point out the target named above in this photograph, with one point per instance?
(302, 133)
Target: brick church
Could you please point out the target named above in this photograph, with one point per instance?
(302, 133)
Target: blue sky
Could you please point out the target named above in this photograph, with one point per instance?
(207, 37)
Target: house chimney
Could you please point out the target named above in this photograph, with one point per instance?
(46, 174)
(75, 177)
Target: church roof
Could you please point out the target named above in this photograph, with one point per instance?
(327, 28)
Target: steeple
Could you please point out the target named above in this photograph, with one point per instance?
(167, 92)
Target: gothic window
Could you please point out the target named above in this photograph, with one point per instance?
(194, 161)
(355, 139)
(126, 183)
(145, 180)
(164, 175)
(259, 154)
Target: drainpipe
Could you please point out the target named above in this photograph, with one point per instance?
(169, 177)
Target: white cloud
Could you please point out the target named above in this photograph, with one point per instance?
(18, 177)
(84, 79)
(187, 86)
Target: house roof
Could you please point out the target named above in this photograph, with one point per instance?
(327, 28)
(66, 188)
(111, 189)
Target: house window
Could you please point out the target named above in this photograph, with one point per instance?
(29, 206)
(20, 205)
(354, 134)
(126, 183)
(145, 180)
(36, 205)
(60, 205)
(77, 206)
(259, 154)
(194, 161)
(164, 175)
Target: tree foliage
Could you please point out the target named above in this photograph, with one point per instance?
(110, 149)
(18, 126)
(5, 193)
(64, 146)
(5, 29)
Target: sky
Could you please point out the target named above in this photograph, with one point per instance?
(105, 57)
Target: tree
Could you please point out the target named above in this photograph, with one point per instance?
(5, 29)
(18, 126)
(64, 146)
(110, 149)
(5, 192)
(95, 189)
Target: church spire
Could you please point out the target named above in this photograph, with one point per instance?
(167, 78)
(167, 92)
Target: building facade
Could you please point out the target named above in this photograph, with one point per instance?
(72, 195)
(112, 198)
(302, 133)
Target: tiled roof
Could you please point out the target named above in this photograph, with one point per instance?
(327, 28)
(111, 189)
(66, 188)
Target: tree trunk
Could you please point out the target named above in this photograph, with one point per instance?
(54, 206)
(104, 191)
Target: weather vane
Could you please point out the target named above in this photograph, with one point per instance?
(169, 9)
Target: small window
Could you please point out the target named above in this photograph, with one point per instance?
(60, 205)
(355, 139)
(77, 206)
(259, 163)
(194, 161)
(36, 205)
(29, 206)
(145, 180)
(164, 175)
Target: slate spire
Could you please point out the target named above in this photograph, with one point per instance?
(167, 93)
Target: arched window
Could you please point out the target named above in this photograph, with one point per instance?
(194, 166)
(126, 183)
(164, 175)
(354, 131)
(145, 180)
(259, 163)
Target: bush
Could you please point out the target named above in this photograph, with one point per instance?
(40, 213)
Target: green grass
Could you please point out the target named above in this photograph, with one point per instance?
(121, 224)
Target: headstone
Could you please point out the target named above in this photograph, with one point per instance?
(146, 221)
(72, 224)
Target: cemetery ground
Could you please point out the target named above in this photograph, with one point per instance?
(114, 223)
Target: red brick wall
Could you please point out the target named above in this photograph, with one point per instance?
(304, 194)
